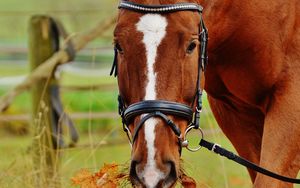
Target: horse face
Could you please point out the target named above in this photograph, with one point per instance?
(157, 60)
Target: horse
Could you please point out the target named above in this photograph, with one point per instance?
(252, 83)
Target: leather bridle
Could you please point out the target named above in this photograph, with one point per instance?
(161, 108)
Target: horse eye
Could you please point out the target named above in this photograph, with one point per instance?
(119, 48)
(191, 47)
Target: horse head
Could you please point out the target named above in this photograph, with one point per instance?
(157, 62)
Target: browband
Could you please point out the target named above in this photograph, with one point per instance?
(160, 8)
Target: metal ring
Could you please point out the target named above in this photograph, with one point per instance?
(186, 141)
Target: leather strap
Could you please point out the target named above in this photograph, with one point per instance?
(166, 107)
(169, 122)
(228, 154)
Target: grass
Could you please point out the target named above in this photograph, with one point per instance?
(15, 165)
(8, 70)
(206, 168)
(74, 101)
(69, 79)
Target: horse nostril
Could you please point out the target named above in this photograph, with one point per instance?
(139, 179)
(133, 174)
(172, 177)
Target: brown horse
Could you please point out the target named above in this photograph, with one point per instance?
(252, 81)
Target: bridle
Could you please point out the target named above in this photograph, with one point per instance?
(162, 108)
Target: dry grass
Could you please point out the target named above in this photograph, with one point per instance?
(115, 175)
(109, 176)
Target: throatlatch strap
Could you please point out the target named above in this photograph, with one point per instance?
(228, 154)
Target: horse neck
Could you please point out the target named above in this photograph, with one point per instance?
(220, 20)
(227, 17)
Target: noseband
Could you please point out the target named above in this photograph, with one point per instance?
(161, 108)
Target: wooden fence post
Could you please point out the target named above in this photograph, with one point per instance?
(43, 43)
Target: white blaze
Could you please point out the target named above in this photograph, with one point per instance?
(153, 26)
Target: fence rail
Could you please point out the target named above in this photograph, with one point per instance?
(4, 49)
(74, 116)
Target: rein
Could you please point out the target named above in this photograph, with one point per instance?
(231, 156)
(161, 108)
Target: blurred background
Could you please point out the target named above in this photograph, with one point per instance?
(89, 96)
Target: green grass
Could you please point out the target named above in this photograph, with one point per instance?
(69, 79)
(77, 101)
(7, 70)
(206, 168)
(15, 165)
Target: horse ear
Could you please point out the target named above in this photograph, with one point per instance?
(114, 68)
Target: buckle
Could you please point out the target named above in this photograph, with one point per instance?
(214, 147)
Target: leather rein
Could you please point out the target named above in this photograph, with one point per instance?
(160, 108)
